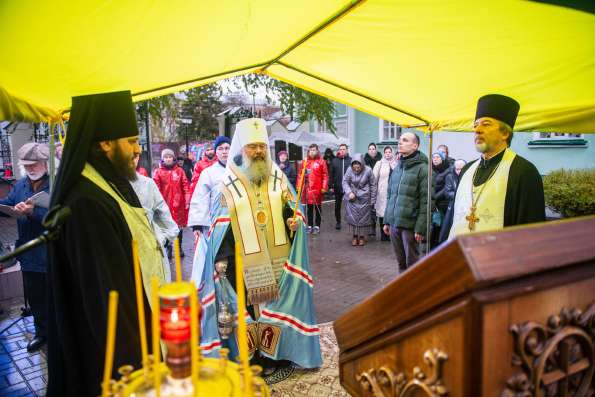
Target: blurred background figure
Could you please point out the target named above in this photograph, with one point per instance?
(359, 188)
(315, 185)
(381, 172)
(286, 167)
(440, 169)
(173, 185)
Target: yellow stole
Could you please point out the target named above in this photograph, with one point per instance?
(256, 214)
(490, 205)
(149, 248)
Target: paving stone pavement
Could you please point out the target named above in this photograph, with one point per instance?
(343, 277)
(21, 373)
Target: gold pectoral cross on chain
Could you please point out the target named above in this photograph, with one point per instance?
(472, 219)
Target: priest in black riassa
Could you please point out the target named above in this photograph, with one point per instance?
(93, 252)
(499, 189)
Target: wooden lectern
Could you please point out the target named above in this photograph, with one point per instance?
(507, 313)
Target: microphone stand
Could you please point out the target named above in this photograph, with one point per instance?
(52, 222)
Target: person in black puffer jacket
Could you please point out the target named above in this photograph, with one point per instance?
(339, 166)
(440, 169)
(451, 183)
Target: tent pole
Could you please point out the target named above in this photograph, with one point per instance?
(148, 140)
(52, 161)
(429, 205)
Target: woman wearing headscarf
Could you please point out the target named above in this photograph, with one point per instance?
(359, 187)
(382, 170)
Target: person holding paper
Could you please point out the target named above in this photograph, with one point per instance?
(33, 157)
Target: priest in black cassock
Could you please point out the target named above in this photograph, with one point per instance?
(93, 253)
(501, 188)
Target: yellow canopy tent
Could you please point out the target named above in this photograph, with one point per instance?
(411, 62)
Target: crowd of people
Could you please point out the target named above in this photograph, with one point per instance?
(367, 189)
(237, 200)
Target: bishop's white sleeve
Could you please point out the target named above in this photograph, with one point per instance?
(198, 214)
(165, 227)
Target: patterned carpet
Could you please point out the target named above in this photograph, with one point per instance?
(321, 382)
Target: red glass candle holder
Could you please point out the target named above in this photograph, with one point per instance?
(174, 318)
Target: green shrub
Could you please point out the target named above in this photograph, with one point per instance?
(571, 193)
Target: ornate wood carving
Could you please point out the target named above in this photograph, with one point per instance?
(383, 382)
(556, 359)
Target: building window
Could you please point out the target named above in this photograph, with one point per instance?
(340, 110)
(341, 128)
(388, 132)
(557, 135)
(557, 139)
(321, 127)
(41, 133)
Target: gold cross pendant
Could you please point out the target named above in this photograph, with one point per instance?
(472, 219)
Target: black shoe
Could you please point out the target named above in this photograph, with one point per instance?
(35, 344)
(338, 226)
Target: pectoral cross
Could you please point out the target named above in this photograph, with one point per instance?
(276, 178)
(232, 182)
(472, 219)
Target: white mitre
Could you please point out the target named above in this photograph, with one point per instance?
(251, 131)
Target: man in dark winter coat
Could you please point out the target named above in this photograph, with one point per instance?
(405, 214)
(339, 166)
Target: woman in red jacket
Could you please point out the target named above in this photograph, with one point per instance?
(315, 185)
(173, 185)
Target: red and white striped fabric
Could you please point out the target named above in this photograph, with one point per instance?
(208, 300)
(207, 348)
(217, 221)
(290, 321)
(299, 273)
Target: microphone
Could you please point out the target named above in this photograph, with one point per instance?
(55, 217)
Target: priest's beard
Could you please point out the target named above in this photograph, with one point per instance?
(124, 164)
(256, 169)
(482, 147)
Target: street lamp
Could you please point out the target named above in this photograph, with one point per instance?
(186, 121)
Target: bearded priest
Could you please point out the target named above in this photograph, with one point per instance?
(501, 188)
(256, 208)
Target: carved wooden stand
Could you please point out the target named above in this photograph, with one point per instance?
(556, 359)
(383, 382)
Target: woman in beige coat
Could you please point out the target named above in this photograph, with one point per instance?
(381, 172)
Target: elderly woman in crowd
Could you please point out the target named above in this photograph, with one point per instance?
(359, 187)
(382, 170)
